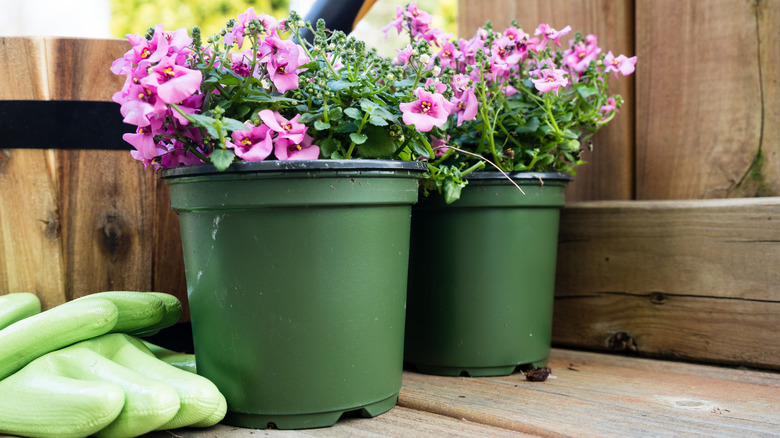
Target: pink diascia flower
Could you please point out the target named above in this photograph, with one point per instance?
(254, 144)
(288, 129)
(431, 109)
(236, 33)
(580, 55)
(173, 83)
(283, 59)
(548, 33)
(609, 107)
(465, 106)
(285, 149)
(621, 64)
(549, 78)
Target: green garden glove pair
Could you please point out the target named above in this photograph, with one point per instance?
(78, 370)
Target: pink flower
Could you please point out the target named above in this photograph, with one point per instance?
(449, 55)
(620, 64)
(254, 144)
(548, 33)
(283, 61)
(287, 129)
(177, 156)
(173, 83)
(397, 22)
(403, 56)
(439, 145)
(549, 78)
(284, 149)
(609, 107)
(465, 106)
(579, 56)
(145, 147)
(428, 111)
(236, 33)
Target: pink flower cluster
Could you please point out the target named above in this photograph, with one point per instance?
(509, 55)
(159, 73)
(157, 76)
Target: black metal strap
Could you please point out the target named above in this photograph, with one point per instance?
(59, 124)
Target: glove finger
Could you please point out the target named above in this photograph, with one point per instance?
(42, 401)
(17, 306)
(32, 337)
(200, 398)
(148, 403)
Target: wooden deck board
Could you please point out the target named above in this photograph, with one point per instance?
(587, 395)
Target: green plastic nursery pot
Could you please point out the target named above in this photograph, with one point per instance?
(482, 275)
(296, 276)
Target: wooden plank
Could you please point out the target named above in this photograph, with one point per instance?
(107, 219)
(683, 279)
(30, 219)
(596, 395)
(609, 172)
(704, 109)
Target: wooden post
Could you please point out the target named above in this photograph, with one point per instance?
(75, 222)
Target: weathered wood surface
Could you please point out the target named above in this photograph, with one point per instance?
(590, 395)
(707, 106)
(694, 280)
(30, 251)
(76, 222)
(609, 171)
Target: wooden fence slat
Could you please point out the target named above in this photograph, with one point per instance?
(685, 279)
(107, 213)
(704, 101)
(609, 172)
(30, 219)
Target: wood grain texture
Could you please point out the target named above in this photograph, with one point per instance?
(609, 172)
(76, 222)
(79, 68)
(706, 104)
(108, 219)
(683, 279)
(606, 396)
(30, 219)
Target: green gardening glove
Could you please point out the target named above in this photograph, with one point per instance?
(109, 385)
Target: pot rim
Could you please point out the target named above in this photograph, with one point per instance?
(494, 175)
(296, 166)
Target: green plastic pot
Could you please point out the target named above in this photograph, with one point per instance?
(296, 276)
(482, 273)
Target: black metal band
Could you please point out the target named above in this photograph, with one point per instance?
(60, 124)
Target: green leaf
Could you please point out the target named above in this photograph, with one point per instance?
(328, 146)
(233, 124)
(335, 113)
(340, 84)
(404, 83)
(307, 118)
(379, 143)
(204, 122)
(451, 191)
(570, 135)
(377, 121)
(319, 125)
(346, 126)
(241, 110)
(358, 138)
(353, 112)
(368, 105)
(586, 91)
(531, 126)
(221, 158)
